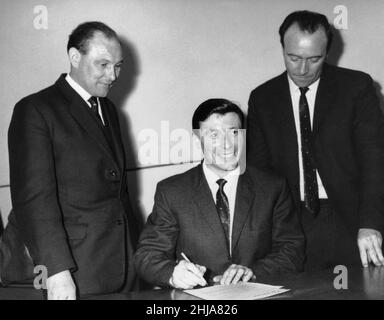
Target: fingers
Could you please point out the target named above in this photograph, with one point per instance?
(196, 273)
(248, 276)
(194, 269)
(217, 279)
(238, 275)
(363, 256)
(235, 273)
(228, 276)
(377, 247)
(61, 293)
(187, 275)
(201, 268)
(372, 254)
(369, 243)
(194, 278)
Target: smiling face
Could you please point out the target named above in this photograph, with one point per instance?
(97, 69)
(304, 54)
(222, 141)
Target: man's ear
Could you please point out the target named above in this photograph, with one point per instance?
(197, 145)
(196, 136)
(74, 56)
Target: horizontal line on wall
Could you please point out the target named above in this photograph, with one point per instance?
(162, 165)
(141, 168)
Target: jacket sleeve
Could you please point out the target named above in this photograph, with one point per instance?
(155, 257)
(369, 143)
(287, 252)
(257, 149)
(34, 189)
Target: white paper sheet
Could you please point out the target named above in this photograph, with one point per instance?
(238, 291)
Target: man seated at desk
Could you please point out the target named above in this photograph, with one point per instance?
(219, 222)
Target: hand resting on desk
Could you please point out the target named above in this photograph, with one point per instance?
(234, 274)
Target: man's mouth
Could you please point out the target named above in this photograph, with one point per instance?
(228, 155)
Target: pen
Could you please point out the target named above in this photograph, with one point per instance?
(186, 259)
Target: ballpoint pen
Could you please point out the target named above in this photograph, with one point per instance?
(186, 259)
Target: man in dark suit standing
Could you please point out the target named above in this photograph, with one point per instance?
(67, 176)
(321, 127)
(219, 222)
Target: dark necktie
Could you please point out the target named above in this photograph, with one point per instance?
(222, 207)
(311, 193)
(95, 107)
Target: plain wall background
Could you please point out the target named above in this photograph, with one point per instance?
(178, 53)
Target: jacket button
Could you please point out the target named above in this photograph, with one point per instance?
(113, 173)
(119, 222)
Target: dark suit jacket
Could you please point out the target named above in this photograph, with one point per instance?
(69, 192)
(348, 133)
(266, 236)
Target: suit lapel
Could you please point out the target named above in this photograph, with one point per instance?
(325, 96)
(79, 111)
(245, 196)
(284, 110)
(206, 205)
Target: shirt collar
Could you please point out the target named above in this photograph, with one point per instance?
(212, 177)
(79, 89)
(294, 88)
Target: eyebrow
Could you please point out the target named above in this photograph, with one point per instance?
(224, 129)
(297, 56)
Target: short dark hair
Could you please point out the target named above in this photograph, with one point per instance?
(211, 106)
(79, 38)
(308, 21)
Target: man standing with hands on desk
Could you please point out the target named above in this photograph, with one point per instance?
(321, 127)
(219, 222)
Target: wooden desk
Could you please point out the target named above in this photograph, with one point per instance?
(363, 283)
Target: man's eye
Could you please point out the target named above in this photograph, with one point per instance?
(104, 65)
(294, 59)
(314, 60)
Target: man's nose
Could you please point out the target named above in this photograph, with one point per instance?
(303, 67)
(112, 74)
(228, 143)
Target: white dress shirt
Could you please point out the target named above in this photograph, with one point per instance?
(83, 94)
(311, 97)
(229, 189)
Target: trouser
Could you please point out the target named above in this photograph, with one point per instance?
(328, 242)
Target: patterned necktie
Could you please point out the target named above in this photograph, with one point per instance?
(311, 193)
(222, 207)
(95, 107)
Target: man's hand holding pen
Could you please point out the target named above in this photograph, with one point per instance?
(187, 275)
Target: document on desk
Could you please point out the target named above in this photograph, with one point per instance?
(238, 291)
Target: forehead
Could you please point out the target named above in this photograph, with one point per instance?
(221, 121)
(101, 47)
(297, 39)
